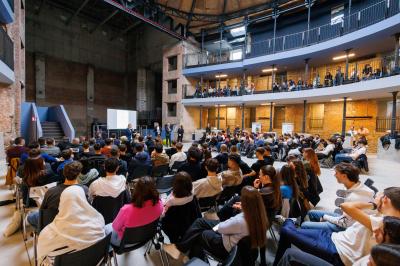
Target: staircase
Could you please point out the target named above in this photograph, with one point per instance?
(52, 130)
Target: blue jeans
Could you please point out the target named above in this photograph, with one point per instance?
(343, 157)
(313, 241)
(294, 256)
(315, 223)
(33, 219)
(114, 236)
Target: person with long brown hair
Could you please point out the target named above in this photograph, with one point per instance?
(145, 208)
(219, 239)
(311, 161)
(269, 184)
(289, 187)
(35, 172)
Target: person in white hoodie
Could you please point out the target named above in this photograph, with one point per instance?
(112, 185)
(348, 175)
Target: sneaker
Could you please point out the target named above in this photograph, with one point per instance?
(171, 250)
(339, 201)
(280, 219)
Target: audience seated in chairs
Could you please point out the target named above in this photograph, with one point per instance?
(249, 178)
(35, 172)
(124, 154)
(289, 189)
(179, 156)
(122, 165)
(52, 197)
(50, 148)
(66, 158)
(232, 176)
(345, 247)
(16, 150)
(88, 174)
(212, 184)
(140, 164)
(328, 150)
(180, 199)
(353, 154)
(86, 150)
(158, 156)
(193, 166)
(222, 157)
(348, 175)
(45, 156)
(76, 227)
(219, 238)
(112, 185)
(181, 191)
(107, 148)
(145, 208)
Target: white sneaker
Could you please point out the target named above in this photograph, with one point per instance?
(171, 250)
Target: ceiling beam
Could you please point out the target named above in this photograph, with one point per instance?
(134, 25)
(191, 14)
(76, 12)
(146, 20)
(104, 21)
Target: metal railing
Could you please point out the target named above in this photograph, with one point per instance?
(384, 124)
(6, 49)
(355, 21)
(214, 57)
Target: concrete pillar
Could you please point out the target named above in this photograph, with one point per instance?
(89, 99)
(40, 78)
(275, 16)
(220, 43)
(202, 40)
(304, 116)
(141, 92)
(218, 118)
(242, 116)
(396, 51)
(201, 117)
(246, 22)
(346, 73)
(273, 75)
(306, 70)
(344, 116)
(394, 105)
(348, 16)
(271, 119)
(308, 19)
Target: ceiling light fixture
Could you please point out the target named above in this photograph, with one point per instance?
(269, 70)
(340, 100)
(343, 56)
(221, 76)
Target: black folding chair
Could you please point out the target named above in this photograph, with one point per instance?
(109, 206)
(94, 255)
(160, 170)
(208, 203)
(137, 237)
(164, 184)
(228, 261)
(175, 166)
(226, 194)
(46, 216)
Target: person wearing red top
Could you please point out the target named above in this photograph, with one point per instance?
(106, 150)
(145, 208)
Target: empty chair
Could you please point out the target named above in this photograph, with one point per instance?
(161, 170)
(164, 184)
(91, 256)
(140, 172)
(109, 206)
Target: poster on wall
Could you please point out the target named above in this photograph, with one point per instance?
(287, 128)
(256, 127)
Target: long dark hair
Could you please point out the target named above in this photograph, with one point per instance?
(33, 168)
(312, 158)
(270, 171)
(255, 215)
(144, 190)
(300, 174)
(288, 178)
(182, 185)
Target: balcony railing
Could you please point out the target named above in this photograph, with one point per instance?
(6, 49)
(384, 124)
(189, 91)
(358, 20)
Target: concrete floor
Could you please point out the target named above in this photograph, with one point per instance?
(14, 252)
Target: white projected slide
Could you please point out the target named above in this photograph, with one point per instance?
(119, 119)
